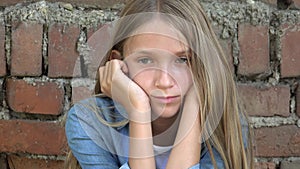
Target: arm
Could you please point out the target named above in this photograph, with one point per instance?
(115, 84)
(141, 146)
(187, 146)
(88, 153)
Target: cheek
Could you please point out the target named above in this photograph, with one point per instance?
(184, 80)
(144, 80)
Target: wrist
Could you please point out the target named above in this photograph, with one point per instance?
(139, 111)
(139, 116)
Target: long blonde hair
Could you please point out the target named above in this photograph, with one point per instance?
(212, 77)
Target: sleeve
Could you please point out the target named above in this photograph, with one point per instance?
(125, 166)
(88, 153)
(206, 162)
(197, 166)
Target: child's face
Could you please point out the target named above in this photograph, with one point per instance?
(158, 64)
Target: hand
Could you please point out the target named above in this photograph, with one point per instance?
(187, 146)
(190, 115)
(115, 84)
(191, 102)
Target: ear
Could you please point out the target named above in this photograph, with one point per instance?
(115, 55)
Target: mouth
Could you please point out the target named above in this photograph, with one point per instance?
(166, 99)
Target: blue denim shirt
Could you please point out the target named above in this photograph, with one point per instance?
(98, 146)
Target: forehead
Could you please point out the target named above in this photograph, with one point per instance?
(156, 34)
(155, 42)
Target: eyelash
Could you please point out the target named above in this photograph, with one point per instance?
(182, 59)
(142, 60)
(147, 60)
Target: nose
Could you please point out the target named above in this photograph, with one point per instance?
(163, 80)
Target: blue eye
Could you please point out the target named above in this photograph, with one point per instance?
(145, 60)
(182, 59)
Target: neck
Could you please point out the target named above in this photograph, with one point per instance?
(164, 130)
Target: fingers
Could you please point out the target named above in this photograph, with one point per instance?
(116, 65)
(108, 72)
(103, 81)
(124, 67)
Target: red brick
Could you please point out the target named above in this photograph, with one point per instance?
(265, 101)
(290, 165)
(297, 3)
(62, 53)
(1, 94)
(41, 98)
(254, 49)
(34, 137)
(26, 52)
(265, 165)
(290, 51)
(98, 44)
(102, 3)
(298, 100)
(3, 161)
(282, 141)
(17, 162)
(92, 30)
(80, 93)
(227, 48)
(2, 51)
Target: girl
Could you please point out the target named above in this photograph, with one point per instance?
(165, 96)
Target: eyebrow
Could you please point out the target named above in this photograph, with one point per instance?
(147, 51)
(188, 51)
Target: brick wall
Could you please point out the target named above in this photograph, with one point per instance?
(43, 69)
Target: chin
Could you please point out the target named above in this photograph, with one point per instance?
(166, 112)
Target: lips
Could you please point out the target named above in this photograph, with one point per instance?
(166, 99)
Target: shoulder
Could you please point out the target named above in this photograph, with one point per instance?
(92, 103)
(89, 138)
(93, 116)
(91, 119)
(84, 114)
(245, 129)
(97, 108)
(206, 160)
